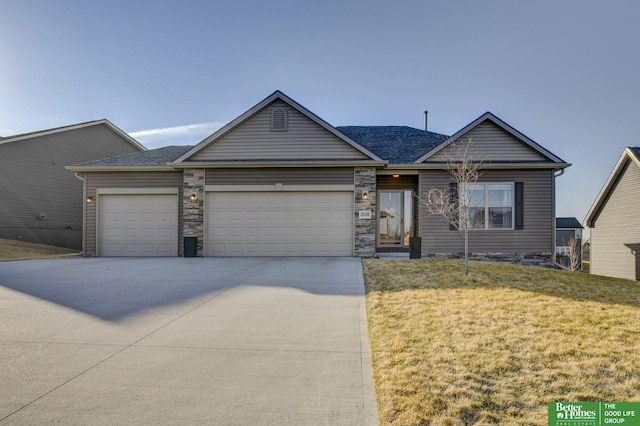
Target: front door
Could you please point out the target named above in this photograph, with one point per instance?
(395, 218)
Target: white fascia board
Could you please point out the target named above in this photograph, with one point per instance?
(255, 164)
(627, 155)
(279, 187)
(89, 169)
(137, 191)
(259, 106)
(486, 166)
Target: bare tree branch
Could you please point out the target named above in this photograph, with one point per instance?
(465, 166)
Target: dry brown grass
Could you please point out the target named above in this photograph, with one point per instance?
(20, 250)
(498, 345)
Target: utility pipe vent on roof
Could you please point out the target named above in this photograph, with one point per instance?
(279, 120)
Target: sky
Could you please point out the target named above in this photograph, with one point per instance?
(566, 73)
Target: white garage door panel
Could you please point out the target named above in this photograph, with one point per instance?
(280, 224)
(138, 225)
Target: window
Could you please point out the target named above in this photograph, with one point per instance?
(279, 120)
(491, 205)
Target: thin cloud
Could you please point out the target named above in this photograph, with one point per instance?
(178, 135)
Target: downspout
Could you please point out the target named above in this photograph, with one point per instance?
(556, 175)
(84, 211)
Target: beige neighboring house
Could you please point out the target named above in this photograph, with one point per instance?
(614, 221)
(280, 181)
(41, 201)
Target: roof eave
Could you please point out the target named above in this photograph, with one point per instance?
(485, 166)
(61, 129)
(627, 155)
(270, 164)
(88, 169)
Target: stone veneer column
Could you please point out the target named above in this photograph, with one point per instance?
(193, 211)
(365, 229)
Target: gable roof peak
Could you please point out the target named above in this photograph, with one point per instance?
(629, 154)
(278, 94)
(68, 127)
(504, 126)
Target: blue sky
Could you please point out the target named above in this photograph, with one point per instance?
(564, 72)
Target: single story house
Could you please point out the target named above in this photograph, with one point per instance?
(614, 221)
(41, 201)
(569, 242)
(280, 181)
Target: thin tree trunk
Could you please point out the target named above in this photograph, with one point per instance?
(466, 252)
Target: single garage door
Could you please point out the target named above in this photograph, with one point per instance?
(138, 225)
(279, 224)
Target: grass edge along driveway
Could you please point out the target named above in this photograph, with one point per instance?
(498, 345)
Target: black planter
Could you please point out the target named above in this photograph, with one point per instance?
(415, 247)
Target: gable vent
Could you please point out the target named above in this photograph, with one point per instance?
(279, 120)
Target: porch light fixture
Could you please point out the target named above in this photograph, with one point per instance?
(395, 176)
(194, 197)
(89, 199)
(365, 195)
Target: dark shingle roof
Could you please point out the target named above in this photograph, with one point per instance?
(153, 157)
(568, 223)
(635, 150)
(395, 144)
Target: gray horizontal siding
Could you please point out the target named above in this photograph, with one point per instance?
(34, 181)
(617, 224)
(254, 140)
(123, 180)
(536, 237)
(286, 176)
(493, 144)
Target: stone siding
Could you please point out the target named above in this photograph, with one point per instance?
(193, 211)
(365, 229)
(531, 259)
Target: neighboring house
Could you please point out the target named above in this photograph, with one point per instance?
(280, 181)
(40, 200)
(614, 221)
(569, 242)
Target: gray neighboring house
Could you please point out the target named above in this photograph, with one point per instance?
(40, 200)
(614, 221)
(280, 181)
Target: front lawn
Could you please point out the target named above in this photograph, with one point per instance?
(20, 250)
(498, 345)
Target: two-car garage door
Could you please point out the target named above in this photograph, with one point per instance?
(279, 223)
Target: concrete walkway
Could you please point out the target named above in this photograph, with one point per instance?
(233, 341)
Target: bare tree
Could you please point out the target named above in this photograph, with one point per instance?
(574, 254)
(455, 204)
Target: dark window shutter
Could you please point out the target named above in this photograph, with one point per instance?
(453, 200)
(519, 199)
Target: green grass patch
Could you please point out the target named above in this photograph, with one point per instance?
(496, 346)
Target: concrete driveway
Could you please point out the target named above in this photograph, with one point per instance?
(184, 341)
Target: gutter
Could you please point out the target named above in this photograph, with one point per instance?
(84, 211)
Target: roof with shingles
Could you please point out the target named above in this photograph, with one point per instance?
(568, 223)
(153, 157)
(395, 144)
